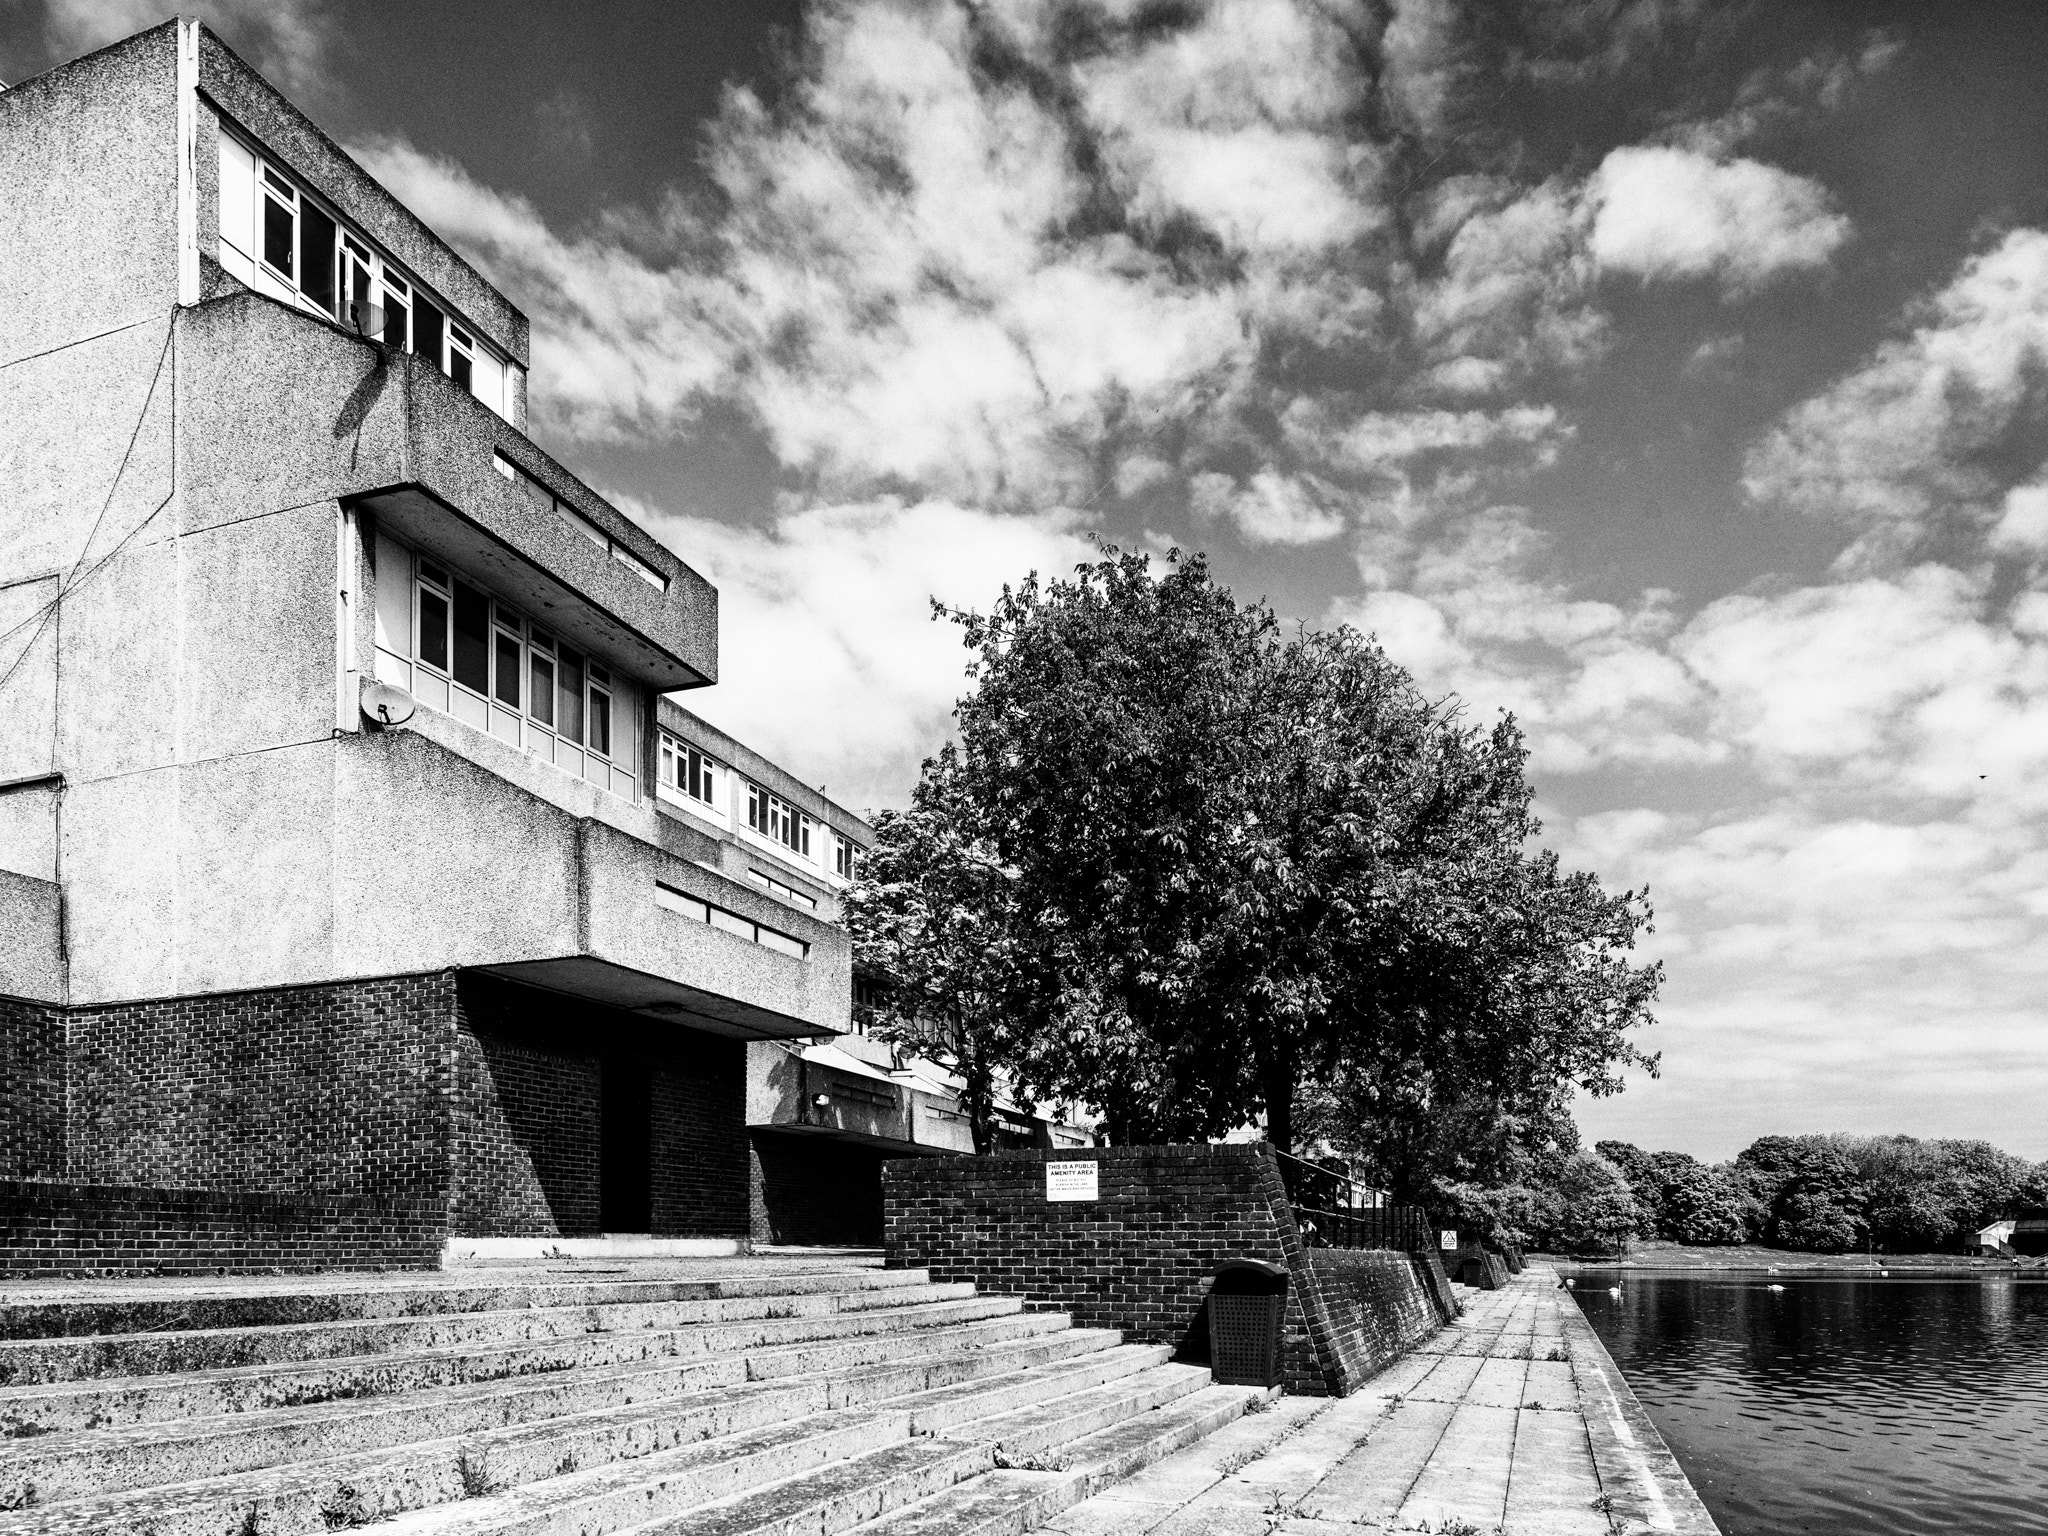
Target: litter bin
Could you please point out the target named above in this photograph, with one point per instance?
(1247, 1302)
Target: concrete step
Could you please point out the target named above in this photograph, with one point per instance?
(832, 1499)
(528, 1480)
(720, 1355)
(938, 1410)
(81, 1312)
(141, 1455)
(24, 1361)
(1036, 1430)
(1012, 1501)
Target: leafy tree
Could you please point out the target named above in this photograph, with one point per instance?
(1696, 1205)
(934, 925)
(1810, 1190)
(1243, 870)
(1637, 1166)
(1598, 1209)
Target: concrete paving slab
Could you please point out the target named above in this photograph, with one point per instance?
(1466, 1477)
(1368, 1486)
(1498, 1384)
(1554, 1485)
(1451, 1380)
(1550, 1383)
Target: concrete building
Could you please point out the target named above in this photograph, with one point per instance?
(359, 890)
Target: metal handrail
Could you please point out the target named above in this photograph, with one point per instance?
(1333, 1210)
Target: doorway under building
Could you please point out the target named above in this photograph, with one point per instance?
(625, 1128)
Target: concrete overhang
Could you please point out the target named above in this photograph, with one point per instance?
(417, 515)
(601, 981)
(894, 1144)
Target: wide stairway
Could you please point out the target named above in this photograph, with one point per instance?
(777, 1396)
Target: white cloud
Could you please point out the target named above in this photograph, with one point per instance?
(1915, 442)
(829, 660)
(1271, 509)
(1661, 212)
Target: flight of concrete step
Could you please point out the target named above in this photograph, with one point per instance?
(742, 1397)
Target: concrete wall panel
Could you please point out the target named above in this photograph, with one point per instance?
(118, 682)
(259, 630)
(28, 679)
(32, 958)
(28, 830)
(120, 839)
(88, 224)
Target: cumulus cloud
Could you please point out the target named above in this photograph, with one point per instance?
(829, 660)
(1272, 508)
(1914, 444)
(1662, 212)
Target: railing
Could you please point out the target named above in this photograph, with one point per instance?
(1335, 1211)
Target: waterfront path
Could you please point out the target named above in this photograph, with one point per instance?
(1511, 1420)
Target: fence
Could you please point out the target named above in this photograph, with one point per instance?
(1334, 1211)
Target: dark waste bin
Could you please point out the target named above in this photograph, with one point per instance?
(1247, 1303)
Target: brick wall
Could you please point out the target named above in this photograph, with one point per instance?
(1138, 1258)
(700, 1138)
(50, 1227)
(31, 1090)
(338, 1089)
(525, 1139)
(810, 1189)
(1378, 1303)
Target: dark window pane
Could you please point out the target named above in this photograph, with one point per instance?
(508, 669)
(433, 573)
(542, 699)
(570, 692)
(394, 320)
(472, 638)
(600, 722)
(277, 235)
(433, 629)
(316, 256)
(458, 367)
(426, 331)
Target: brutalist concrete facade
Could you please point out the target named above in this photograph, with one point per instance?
(263, 950)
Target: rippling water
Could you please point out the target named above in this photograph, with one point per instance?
(1859, 1407)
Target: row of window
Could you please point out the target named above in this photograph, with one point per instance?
(279, 238)
(540, 495)
(455, 647)
(730, 922)
(688, 774)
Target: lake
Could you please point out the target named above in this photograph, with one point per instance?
(1849, 1407)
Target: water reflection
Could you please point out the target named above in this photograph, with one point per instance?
(1842, 1406)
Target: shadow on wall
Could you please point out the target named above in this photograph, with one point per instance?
(526, 1129)
(810, 1189)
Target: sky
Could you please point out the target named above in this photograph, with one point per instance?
(1672, 375)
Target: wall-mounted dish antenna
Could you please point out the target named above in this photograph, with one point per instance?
(367, 318)
(386, 706)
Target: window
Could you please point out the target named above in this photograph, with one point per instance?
(582, 526)
(734, 923)
(773, 817)
(458, 649)
(842, 857)
(281, 240)
(782, 889)
(688, 771)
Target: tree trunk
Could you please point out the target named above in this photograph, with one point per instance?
(1276, 1082)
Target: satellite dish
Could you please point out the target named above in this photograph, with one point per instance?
(386, 706)
(367, 318)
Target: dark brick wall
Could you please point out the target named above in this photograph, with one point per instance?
(1139, 1258)
(49, 1227)
(339, 1089)
(1378, 1304)
(811, 1189)
(31, 1090)
(529, 1126)
(700, 1138)
(525, 1140)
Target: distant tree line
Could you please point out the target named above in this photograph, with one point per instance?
(1822, 1194)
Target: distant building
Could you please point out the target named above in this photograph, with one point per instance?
(354, 872)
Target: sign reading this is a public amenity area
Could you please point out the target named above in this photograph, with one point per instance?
(1071, 1181)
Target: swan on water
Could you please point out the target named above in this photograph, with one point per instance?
(1774, 1287)
(1614, 1290)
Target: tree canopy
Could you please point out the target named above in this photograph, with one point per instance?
(1192, 870)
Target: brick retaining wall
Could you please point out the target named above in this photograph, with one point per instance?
(49, 1227)
(1140, 1257)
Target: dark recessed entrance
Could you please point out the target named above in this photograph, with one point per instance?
(625, 1191)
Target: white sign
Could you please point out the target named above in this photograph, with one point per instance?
(1447, 1240)
(1071, 1181)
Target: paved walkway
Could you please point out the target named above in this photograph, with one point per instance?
(1512, 1420)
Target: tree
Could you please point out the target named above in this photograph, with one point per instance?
(1244, 868)
(1697, 1205)
(1810, 1191)
(934, 925)
(1597, 1207)
(1638, 1167)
